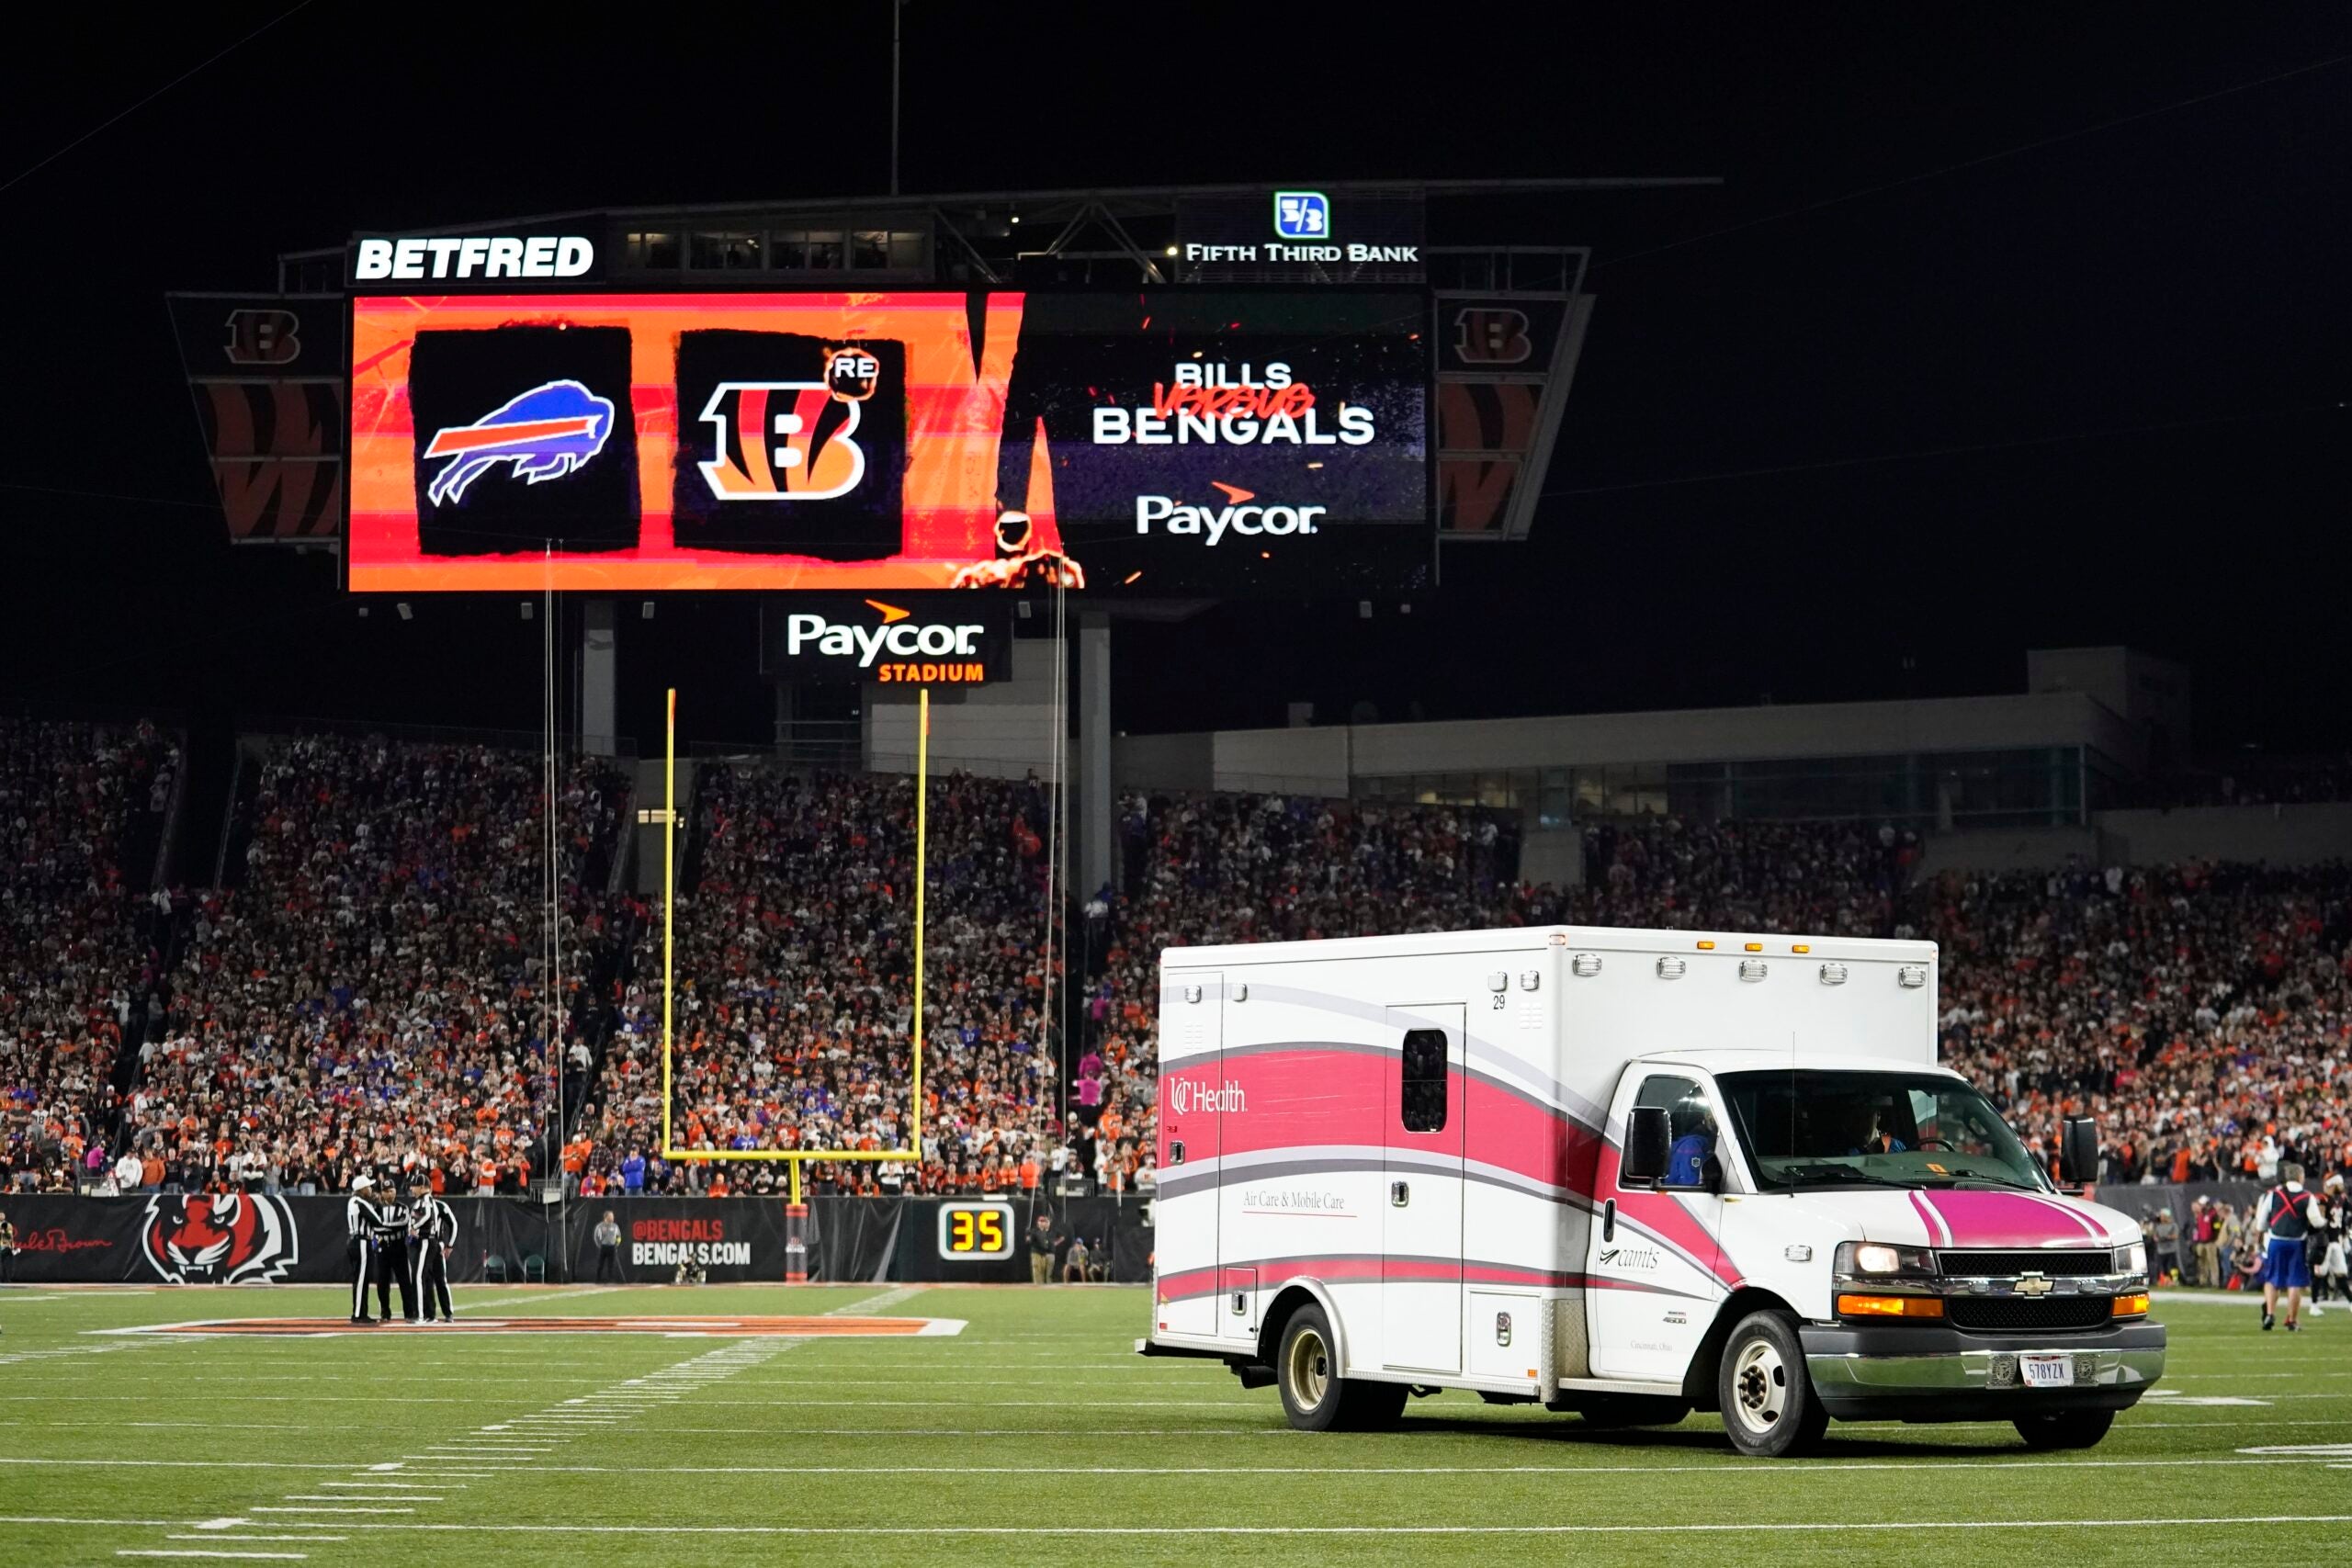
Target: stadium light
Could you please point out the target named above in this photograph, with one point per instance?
(526, 609)
(645, 611)
(406, 613)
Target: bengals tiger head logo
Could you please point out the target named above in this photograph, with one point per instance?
(219, 1240)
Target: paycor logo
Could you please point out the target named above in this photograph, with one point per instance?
(805, 632)
(473, 255)
(1240, 514)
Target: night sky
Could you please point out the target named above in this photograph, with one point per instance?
(2010, 327)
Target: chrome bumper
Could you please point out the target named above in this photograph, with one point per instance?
(1978, 1371)
(1919, 1373)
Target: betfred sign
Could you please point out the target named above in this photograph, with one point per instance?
(384, 261)
(907, 639)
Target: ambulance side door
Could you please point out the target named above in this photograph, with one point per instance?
(1651, 1272)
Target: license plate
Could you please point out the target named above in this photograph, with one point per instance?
(2046, 1372)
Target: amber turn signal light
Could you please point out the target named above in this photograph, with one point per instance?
(1890, 1306)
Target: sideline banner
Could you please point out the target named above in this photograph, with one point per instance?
(252, 1238)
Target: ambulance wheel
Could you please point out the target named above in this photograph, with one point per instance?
(1769, 1405)
(1306, 1370)
(2067, 1430)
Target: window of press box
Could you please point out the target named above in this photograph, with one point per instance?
(1420, 1102)
(714, 251)
(652, 250)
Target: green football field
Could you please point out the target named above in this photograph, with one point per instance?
(1034, 1436)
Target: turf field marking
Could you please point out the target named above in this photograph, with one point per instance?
(1727, 1465)
(1728, 1527)
(560, 1294)
(199, 1551)
(252, 1538)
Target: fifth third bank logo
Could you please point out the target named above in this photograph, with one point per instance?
(1302, 215)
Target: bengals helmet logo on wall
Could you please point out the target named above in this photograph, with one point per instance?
(786, 440)
(1491, 334)
(229, 1238)
(264, 337)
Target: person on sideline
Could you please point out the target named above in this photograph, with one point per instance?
(2285, 1218)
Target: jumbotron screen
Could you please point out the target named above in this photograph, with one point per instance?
(1166, 441)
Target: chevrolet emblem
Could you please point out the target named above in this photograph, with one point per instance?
(2035, 1285)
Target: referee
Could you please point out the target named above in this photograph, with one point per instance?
(390, 1234)
(432, 1231)
(360, 1216)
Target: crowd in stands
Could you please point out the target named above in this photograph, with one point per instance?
(2204, 1013)
(368, 990)
(794, 994)
(371, 990)
(81, 811)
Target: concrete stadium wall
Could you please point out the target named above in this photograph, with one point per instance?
(2009, 849)
(1555, 856)
(1163, 762)
(2275, 835)
(1005, 730)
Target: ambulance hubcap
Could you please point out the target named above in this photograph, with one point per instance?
(1760, 1385)
(1310, 1369)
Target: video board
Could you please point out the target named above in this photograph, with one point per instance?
(1146, 441)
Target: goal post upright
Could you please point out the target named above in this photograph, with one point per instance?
(793, 1158)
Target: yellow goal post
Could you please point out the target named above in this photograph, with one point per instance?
(668, 819)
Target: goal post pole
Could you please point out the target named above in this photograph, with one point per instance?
(922, 837)
(669, 896)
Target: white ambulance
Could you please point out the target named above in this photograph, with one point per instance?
(1624, 1173)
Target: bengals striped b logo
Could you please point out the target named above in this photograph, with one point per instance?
(781, 441)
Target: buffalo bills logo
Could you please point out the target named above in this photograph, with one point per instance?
(546, 433)
(226, 1239)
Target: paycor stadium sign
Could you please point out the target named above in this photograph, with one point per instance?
(928, 640)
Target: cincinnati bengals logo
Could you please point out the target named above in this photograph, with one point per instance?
(1491, 334)
(228, 1239)
(786, 440)
(264, 337)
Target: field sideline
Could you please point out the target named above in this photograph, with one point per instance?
(1035, 1437)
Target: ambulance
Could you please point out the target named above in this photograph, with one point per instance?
(1627, 1174)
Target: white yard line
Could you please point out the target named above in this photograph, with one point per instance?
(544, 1294)
(1957, 1459)
(2212, 1521)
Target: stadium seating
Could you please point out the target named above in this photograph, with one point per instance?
(365, 991)
(370, 990)
(81, 806)
(795, 962)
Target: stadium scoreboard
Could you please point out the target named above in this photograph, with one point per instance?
(1172, 440)
(976, 1233)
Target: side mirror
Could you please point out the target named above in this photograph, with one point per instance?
(2078, 1151)
(1648, 1144)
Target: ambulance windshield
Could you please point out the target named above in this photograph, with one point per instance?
(1805, 1128)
